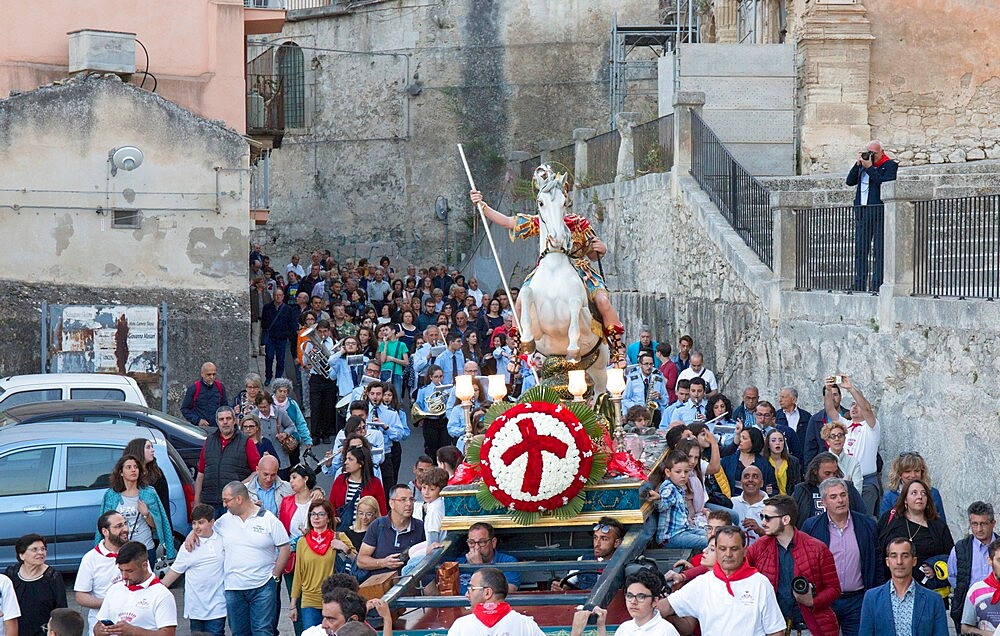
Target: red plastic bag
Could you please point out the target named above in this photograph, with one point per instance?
(466, 473)
(622, 463)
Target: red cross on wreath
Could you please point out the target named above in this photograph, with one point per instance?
(535, 457)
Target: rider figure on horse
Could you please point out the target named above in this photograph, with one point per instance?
(587, 247)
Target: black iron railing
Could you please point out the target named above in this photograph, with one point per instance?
(742, 199)
(956, 247)
(653, 143)
(564, 159)
(602, 157)
(527, 167)
(826, 248)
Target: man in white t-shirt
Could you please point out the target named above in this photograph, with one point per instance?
(10, 611)
(699, 370)
(863, 436)
(642, 590)
(98, 568)
(732, 599)
(491, 614)
(138, 600)
(204, 596)
(256, 551)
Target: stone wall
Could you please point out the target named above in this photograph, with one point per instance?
(58, 196)
(398, 84)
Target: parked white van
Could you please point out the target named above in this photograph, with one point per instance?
(40, 387)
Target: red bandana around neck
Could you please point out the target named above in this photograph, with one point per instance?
(884, 158)
(489, 614)
(136, 588)
(319, 542)
(994, 584)
(855, 425)
(744, 572)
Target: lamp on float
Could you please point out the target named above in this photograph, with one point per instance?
(577, 384)
(464, 392)
(497, 387)
(616, 387)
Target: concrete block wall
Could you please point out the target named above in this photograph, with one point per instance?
(749, 99)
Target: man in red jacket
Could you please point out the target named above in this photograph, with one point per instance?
(785, 555)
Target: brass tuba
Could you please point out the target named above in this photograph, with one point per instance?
(319, 356)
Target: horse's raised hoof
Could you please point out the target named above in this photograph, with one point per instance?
(573, 355)
(527, 346)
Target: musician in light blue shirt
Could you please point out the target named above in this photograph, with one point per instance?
(452, 359)
(696, 408)
(424, 354)
(644, 386)
(683, 392)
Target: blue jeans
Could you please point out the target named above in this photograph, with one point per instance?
(848, 611)
(310, 617)
(215, 626)
(687, 539)
(251, 612)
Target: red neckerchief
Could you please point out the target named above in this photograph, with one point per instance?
(854, 425)
(992, 581)
(489, 614)
(884, 158)
(110, 555)
(319, 542)
(696, 559)
(144, 585)
(743, 572)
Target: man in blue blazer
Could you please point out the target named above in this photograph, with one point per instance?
(855, 576)
(902, 606)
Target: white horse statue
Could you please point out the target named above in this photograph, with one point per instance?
(554, 311)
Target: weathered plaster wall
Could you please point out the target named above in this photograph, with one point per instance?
(493, 75)
(190, 250)
(932, 375)
(54, 178)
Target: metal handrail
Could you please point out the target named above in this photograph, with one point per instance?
(956, 247)
(743, 200)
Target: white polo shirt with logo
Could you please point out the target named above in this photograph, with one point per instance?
(98, 572)
(752, 608)
(149, 605)
(251, 548)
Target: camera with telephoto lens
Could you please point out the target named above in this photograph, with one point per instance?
(867, 155)
(801, 586)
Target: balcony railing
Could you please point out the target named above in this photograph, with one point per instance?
(654, 145)
(743, 200)
(956, 247)
(265, 104)
(602, 157)
(826, 248)
(266, 4)
(260, 183)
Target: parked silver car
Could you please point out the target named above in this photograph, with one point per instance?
(52, 481)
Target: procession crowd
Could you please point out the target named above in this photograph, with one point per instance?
(795, 522)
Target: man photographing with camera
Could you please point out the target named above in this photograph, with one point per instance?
(871, 169)
(800, 568)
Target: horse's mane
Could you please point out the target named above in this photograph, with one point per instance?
(549, 185)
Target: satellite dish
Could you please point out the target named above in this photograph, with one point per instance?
(441, 208)
(126, 158)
